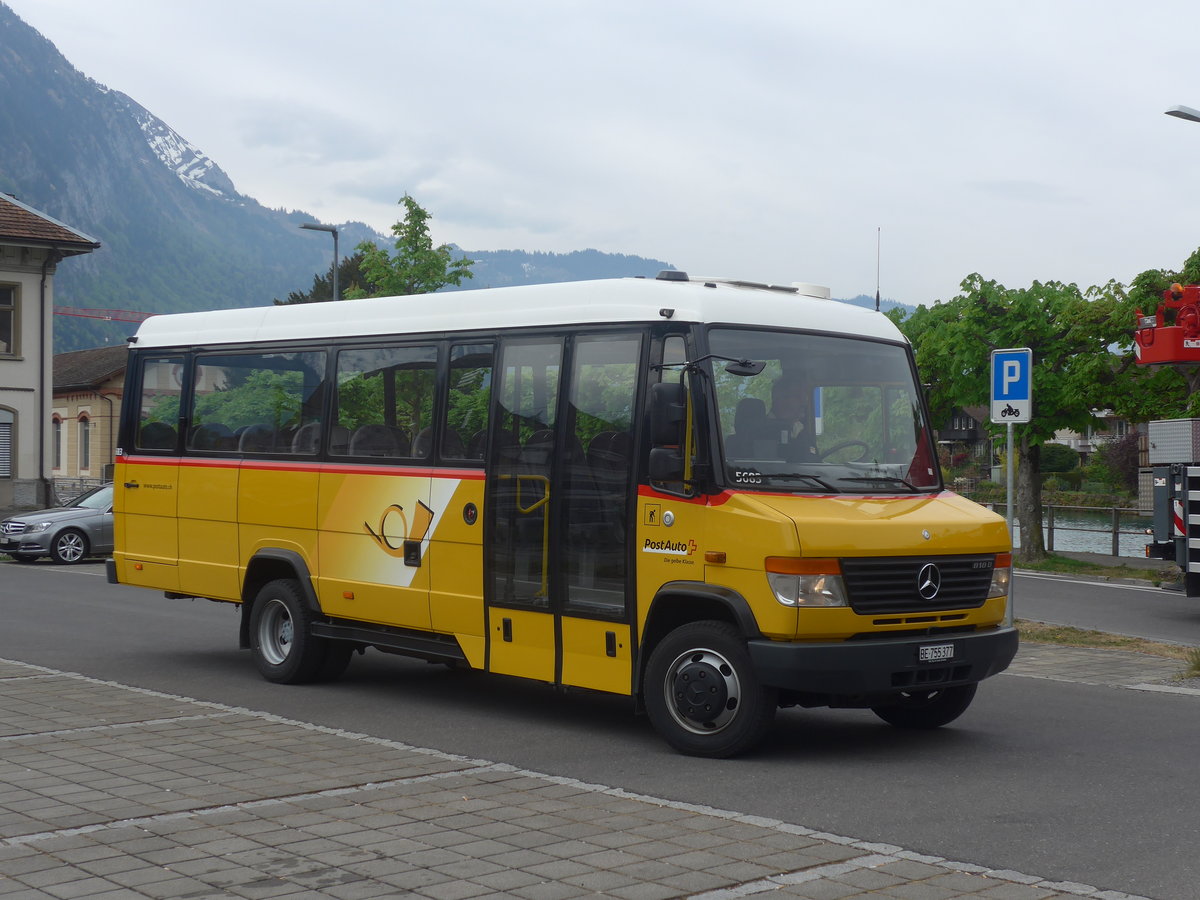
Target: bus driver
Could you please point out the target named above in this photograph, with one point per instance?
(792, 420)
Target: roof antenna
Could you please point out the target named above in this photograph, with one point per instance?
(878, 231)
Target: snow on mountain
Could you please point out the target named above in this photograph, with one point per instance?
(181, 156)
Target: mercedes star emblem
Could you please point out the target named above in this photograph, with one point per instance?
(929, 581)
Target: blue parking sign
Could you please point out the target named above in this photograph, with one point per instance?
(1012, 386)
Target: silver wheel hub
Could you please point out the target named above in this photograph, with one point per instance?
(70, 547)
(275, 632)
(704, 691)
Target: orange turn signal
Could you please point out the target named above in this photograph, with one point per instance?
(789, 565)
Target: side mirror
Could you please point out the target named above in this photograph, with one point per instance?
(745, 367)
(668, 412)
(666, 464)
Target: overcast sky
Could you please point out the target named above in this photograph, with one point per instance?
(769, 140)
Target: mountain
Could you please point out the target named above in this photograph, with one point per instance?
(175, 233)
(868, 302)
(501, 268)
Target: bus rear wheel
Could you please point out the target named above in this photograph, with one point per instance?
(281, 642)
(927, 709)
(702, 694)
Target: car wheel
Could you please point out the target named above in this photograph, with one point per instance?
(702, 694)
(281, 642)
(70, 546)
(927, 709)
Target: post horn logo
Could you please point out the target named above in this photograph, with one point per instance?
(390, 538)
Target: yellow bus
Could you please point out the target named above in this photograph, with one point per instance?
(716, 497)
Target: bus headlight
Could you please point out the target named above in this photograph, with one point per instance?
(1001, 575)
(806, 582)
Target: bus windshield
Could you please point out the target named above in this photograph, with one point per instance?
(826, 415)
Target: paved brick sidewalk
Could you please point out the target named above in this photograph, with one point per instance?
(1118, 668)
(108, 792)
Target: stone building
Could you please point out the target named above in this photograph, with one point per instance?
(32, 244)
(88, 387)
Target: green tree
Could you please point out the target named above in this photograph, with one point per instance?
(350, 279)
(1069, 332)
(416, 267)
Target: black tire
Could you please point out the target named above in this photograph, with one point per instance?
(69, 547)
(927, 709)
(284, 649)
(702, 693)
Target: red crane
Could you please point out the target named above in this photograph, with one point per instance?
(111, 315)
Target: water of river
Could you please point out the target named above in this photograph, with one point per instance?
(1091, 532)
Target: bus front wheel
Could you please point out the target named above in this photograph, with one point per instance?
(927, 709)
(284, 650)
(702, 694)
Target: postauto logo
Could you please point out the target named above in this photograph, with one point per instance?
(672, 548)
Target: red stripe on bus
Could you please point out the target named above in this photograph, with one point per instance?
(319, 468)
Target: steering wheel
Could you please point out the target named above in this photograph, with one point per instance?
(842, 446)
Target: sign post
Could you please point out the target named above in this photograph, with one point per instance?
(1012, 403)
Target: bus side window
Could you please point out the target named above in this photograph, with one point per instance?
(674, 351)
(385, 402)
(468, 399)
(158, 412)
(254, 403)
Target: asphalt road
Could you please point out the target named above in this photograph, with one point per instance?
(1067, 781)
(1140, 611)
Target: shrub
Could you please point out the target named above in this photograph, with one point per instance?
(1116, 463)
(1058, 458)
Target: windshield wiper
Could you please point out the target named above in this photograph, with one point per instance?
(813, 478)
(882, 479)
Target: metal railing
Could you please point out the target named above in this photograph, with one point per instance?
(70, 488)
(1111, 528)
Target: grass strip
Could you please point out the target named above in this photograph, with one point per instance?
(1065, 565)
(1065, 636)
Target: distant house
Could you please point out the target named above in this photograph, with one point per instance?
(88, 386)
(1105, 427)
(31, 246)
(963, 426)
(966, 447)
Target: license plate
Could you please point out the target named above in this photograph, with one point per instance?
(935, 652)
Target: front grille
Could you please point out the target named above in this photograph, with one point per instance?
(12, 527)
(882, 585)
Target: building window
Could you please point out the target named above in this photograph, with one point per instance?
(8, 320)
(85, 444)
(56, 441)
(6, 443)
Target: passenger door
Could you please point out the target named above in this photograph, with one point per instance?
(598, 474)
(559, 484)
(521, 632)
(146, 489)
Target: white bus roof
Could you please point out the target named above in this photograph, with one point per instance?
(617, 300)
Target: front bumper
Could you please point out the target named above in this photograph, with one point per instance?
(866, 668)
(24, 544)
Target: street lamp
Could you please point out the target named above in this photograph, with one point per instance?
(337, 294)
(1184, 112)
